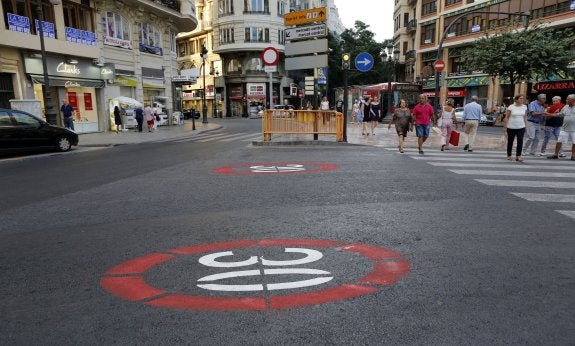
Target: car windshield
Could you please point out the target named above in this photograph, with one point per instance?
(23, 119)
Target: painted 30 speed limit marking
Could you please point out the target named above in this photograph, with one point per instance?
(270, 168)
(127, 281)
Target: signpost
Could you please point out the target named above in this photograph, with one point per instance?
(309, 31)
(364, 61)
(439, 65)
(270, 57)
(306, 16)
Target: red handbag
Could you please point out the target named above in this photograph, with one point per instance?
(454, 139)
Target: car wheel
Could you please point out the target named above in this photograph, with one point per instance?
(63, 143)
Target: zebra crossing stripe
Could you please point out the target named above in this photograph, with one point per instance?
(500, 165)
(200, 136)
(240, 137)
(528, 183)
(546, 197)
(212, 138)
(514, 174)
(570, 213)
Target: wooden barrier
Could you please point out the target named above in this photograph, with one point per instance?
(276, 121)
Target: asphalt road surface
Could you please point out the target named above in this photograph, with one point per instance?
(212, 241)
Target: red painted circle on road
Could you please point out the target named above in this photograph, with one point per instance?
(127, 282)
(270, 168)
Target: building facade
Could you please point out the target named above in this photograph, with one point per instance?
(419, 27)
(95, 51)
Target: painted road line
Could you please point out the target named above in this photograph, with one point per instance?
(200, 136)
(528, 183)
(464, 154)
(514, 174)
(570, 213)
(212, 138)
(499, 165)
(240, 137)
(502, 160)
(546, 197)
(450, 152)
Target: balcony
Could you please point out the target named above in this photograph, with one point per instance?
(412, 26)
(180, 12)
(410, 54)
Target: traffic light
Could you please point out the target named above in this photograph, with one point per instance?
(345, 61)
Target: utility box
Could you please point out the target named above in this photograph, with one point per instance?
(33, 107)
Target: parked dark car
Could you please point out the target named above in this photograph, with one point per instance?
(20, 130)
(189, 113)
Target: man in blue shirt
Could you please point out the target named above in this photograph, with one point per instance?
(67, 112)
(471, 117)
(535, 117)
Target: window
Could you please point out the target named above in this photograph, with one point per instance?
(172, 37)
(117, 30)
(23, 119)
(226, 35)
(234, 66)
(256, 6)
(257, 34)
(27, 8)
(281, 8)
(226, 7)
(254, 65)
(451, 2)
(149, 35)
(182, 49)
(281, 36)
(78, 16)
(405, 19)
(428, 33)
(429, 8)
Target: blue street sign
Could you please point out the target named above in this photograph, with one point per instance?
(364, 62)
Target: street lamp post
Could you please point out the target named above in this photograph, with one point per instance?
(391, 57)
(214, 73)
(49, 111)
(204, 55)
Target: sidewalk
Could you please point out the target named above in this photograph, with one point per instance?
(382, 138)
(102, 139)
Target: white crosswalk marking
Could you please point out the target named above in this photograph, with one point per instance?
(536, 174)
(222, 137)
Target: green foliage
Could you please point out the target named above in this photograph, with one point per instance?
(354, 41)
(533, 54)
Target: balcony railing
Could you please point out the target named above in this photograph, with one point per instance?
(410, 54)
(412, 25)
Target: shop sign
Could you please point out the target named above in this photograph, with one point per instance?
(80, 36)
(58, 67)
(455, 93)
(18, 23)
(557, 85)
(153, 84)
(112, 41)
(256, 89)
(125, 81)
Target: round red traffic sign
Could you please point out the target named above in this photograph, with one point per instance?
(270, 168)
(439, 65)
(260, 273)
(270, 56)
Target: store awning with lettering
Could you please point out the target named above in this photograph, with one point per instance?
(129, 81)
(69, 82)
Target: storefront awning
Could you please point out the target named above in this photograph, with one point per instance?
(69, 82)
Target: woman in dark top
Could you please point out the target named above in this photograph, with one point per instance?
(366, 109)
(403, 122)
(117, 119)
(375, 114)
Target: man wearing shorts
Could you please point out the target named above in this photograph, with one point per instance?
(423, 113)
(568, 129)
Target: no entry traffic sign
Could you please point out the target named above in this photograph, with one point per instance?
(270, 168)
(439, 65)
(272, 272)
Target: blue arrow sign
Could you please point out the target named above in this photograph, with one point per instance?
(364, 62)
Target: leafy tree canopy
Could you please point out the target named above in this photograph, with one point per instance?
(354, 41)
(534, 54)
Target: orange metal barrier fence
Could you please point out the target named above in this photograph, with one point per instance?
(276, 121)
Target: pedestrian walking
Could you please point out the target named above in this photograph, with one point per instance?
(355, 111)
(535, 118)
(567, 129)
(149, 116)
(67, 114)
(117, 119)
(366, 111)
(139, 118)
(448, 119)
(471, 117)
(553, 124)
(423, 113)
(375, 114)
(403, 122)
(324, 105)
(156, 112)
(514, 126)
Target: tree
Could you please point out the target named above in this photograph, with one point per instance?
(534, 54)
(354, 41)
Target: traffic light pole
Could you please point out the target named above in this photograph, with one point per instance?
(345, 105)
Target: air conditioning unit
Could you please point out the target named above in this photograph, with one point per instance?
(427, 41)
